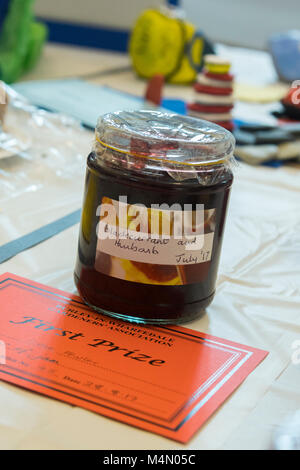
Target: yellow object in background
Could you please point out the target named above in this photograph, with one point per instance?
(165, 45)
(216, 64)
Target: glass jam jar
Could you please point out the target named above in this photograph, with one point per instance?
(155, 202)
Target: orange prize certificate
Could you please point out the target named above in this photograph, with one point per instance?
(167, 380)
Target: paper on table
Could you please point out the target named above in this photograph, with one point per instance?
(77, 98)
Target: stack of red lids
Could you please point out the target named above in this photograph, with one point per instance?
(214, 93)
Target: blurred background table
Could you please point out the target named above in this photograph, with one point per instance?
(257, 301)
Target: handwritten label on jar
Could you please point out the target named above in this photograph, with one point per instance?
(153, 258)
(188, 250)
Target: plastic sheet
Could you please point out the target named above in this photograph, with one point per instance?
(257, 301)
(34, 144)
(155, 142)
(44, 181)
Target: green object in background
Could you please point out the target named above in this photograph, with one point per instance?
(21, 40)
(38, 37)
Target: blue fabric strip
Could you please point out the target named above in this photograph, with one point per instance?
(11, 249)
(175, 3)
(4, 5)
(87, 35)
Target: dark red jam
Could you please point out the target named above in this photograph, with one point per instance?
(153, 281)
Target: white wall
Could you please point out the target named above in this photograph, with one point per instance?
(115, 13)
(244, 22)
(241, 22)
